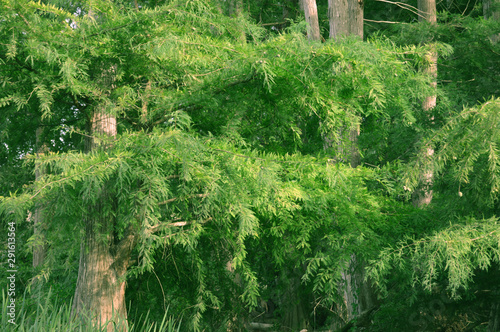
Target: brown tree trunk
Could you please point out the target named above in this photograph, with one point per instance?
(311, 14)
(100, 288)
(423, 194)
(346, 18)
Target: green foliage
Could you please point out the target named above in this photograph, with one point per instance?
(456, 252)
(229, 164)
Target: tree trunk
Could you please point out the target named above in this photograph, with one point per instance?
(423, 194)
(491, 11)
(234, 7)
(39, 247)
(346, 18)
(100, 288)
(311, 14)
(494, 321)
(295, 303)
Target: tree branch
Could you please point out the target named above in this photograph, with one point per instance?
(176, 198)
(158, 227)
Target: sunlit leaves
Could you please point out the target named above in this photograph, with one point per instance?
(456, 252)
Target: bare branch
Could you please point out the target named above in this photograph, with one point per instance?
(158, 227)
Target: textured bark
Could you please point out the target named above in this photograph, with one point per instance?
(346, 18)
(311, 14)
(100, 288)
(423, 194)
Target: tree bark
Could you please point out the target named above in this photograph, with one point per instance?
(311, 14)
(423, 194)
(100, 288)
(346, 18)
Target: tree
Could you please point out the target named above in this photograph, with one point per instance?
(203, 150)
(311, 14)
(423, 194)
(346, 18)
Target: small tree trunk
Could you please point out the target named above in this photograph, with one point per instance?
(491, 11)
(494, 321)
(311, 14)
(39, 247)
(423, 194)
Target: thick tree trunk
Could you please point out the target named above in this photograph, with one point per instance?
(311, 14)
(100, 288)
(423, 194)
(346, 18)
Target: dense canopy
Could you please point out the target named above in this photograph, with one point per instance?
(212, 163)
